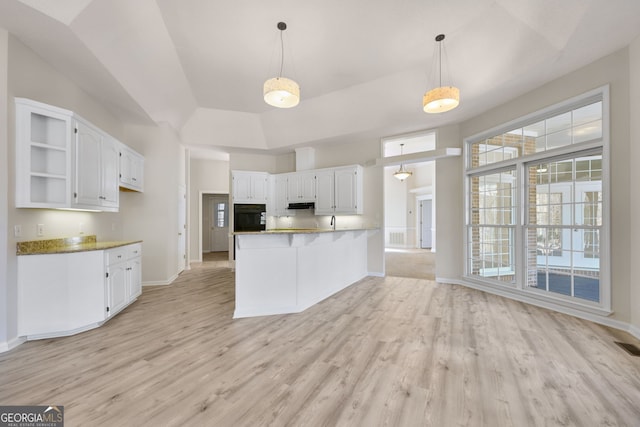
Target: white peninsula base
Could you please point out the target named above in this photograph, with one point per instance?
(288, 272)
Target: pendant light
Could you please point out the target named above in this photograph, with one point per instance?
(442, 98)
(280, 91)
(402, 173)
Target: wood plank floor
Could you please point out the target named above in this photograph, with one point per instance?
(386, 351)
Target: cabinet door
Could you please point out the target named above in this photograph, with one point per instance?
(117, 287)
(259, 187)
(131, 169)
(134, 276)
(280, 195)
(88, 174)
(241, 187)
(110, 157)
(346, 191)
(293, 191)
(307, 186)
(324, 192)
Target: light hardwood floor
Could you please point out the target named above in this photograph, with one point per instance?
(386, 351)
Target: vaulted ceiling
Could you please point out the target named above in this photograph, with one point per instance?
(362, 65)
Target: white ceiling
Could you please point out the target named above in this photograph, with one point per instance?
(362, 65)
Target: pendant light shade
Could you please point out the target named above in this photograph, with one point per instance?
(280, 91)
(402, 173)
(442, 98)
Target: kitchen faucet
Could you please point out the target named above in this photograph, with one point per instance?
(333, 221)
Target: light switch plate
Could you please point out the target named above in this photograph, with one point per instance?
(17, 231)
(40, 229)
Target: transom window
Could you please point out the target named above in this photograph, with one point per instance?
(536, 204)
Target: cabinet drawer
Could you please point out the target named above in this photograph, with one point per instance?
(116, 255)
(134, 251)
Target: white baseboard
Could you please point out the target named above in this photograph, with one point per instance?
(375, 274)
(161, 282)
(11, 344)
(592, 317)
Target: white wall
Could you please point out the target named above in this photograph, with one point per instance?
(206, 176)
(613, 70)
(152, 216)
(634, 178)
(449, 207)
(4, 186)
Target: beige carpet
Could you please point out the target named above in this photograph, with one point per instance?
(414, 263)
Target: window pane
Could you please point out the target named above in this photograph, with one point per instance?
(572, 127)
(563, 235)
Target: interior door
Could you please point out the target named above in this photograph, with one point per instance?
(219, 220)
(426, 223)
(182, 228)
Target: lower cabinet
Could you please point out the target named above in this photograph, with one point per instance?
(64, 294)
(124, 279)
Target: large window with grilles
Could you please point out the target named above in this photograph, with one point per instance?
(537, 203)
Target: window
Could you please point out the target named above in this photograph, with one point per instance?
(222, 215)
(536, 203)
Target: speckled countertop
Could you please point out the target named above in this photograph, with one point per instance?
(67, 245)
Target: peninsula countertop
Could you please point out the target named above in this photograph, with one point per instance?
(68, 245)
(300, 231)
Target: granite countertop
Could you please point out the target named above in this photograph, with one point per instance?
(67, 245)
(302, 230)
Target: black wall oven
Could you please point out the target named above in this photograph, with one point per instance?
(249, 217)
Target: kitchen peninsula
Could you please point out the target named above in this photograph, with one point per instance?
(289, 270)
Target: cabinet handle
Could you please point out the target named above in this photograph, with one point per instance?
(134, 179)
(119, 256)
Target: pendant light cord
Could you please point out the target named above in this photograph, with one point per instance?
(440, 60)
(281, 54)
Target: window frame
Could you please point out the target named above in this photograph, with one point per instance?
(521, 163)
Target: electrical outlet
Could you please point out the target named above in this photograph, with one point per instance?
(17, 231)
(40, 229)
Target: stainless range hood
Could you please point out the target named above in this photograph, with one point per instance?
(307, 205)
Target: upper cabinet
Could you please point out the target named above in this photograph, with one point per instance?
(250, 187)
(339, 191)
(63, 161)
(301, 187)
(96, 168)
(43, 155)
(131, 169)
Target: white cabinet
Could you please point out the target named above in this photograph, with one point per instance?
(250, 187)
(339, 191)
(96, 168)
(301, 187)
(63, 161)
(123, 275)
(116, 280)
(134, 271)
(63, 294)
(43, 155)
(131, 169)
(279, 200)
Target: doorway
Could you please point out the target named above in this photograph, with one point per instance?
(215, 227)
